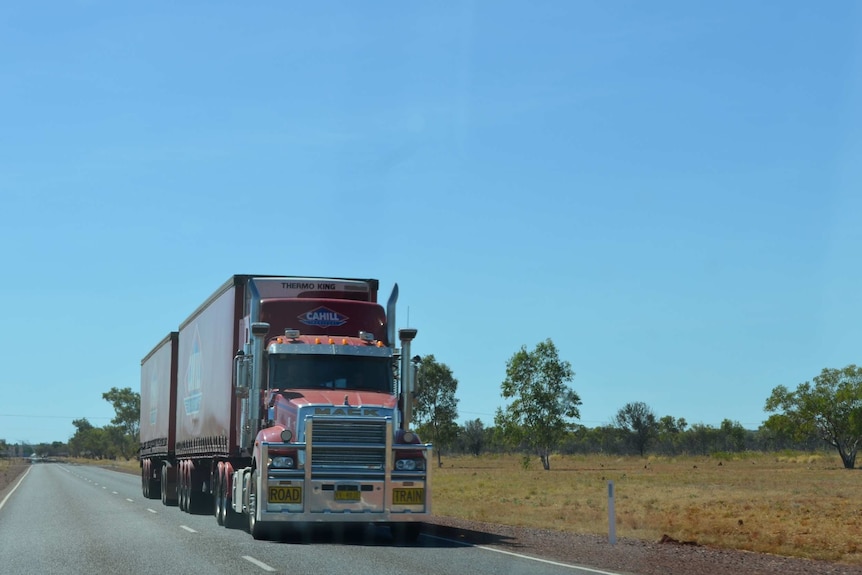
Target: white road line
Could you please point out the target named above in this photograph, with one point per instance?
(189, 529)
(130, 500)
(103, 487)
(8, 495)
(260, 564)
(151, 510)
(546, 561)
(113, 493)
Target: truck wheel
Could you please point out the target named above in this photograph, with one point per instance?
(182, 499)
(197, 496)
(164, 487)
(218, 499)
(229, 518)
(195, 500)
(153, 489)
(257, 530)
(151, 485)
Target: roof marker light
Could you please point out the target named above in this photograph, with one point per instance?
(317, 340)
(331, 341)
(344, 341)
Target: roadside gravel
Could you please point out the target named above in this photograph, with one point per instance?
(630, 556)
(9, 475)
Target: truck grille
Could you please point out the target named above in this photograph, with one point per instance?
(348, 444)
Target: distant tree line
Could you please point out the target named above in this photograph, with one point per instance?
(118, 440)
(26, 449)
(540, 419)
(474, 438)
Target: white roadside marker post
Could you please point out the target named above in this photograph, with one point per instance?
(612, 524)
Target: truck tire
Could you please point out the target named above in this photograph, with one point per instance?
(154, 489)
(151, 486)
(182, 499)
(196, 499)
(228, 517)
(218, 498)
(166, 498)
(256, 530)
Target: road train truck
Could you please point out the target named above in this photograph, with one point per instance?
(285, 400)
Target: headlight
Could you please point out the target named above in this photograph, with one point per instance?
(410, 464)
(281, 462)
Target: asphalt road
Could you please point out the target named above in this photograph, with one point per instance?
(68, 519)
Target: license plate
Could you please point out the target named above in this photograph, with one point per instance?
(347, 495)
(412, 496)
(281, 494)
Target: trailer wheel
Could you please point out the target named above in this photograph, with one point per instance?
(196, 501)
(153, 489)
(182, 495)
(257, 530)
(164, 487)
(150, 485)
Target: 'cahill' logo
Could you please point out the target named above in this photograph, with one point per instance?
(323, 317)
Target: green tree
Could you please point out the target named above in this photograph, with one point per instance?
(436, 407)
(88, 441)
(119, 442)
(473, 437)
(542, 404)
(831, 408)
(127, 407)
(638, 422)
(733, 435)
(702, 439)
(670, 433)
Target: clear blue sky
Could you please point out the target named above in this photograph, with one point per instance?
(671, 191)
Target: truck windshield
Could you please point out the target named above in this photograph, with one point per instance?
(330, 372)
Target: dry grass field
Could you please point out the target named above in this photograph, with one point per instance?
(10, 469)
(798, 505)
(794, 505)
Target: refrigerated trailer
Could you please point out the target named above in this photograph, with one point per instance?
(284, 400)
